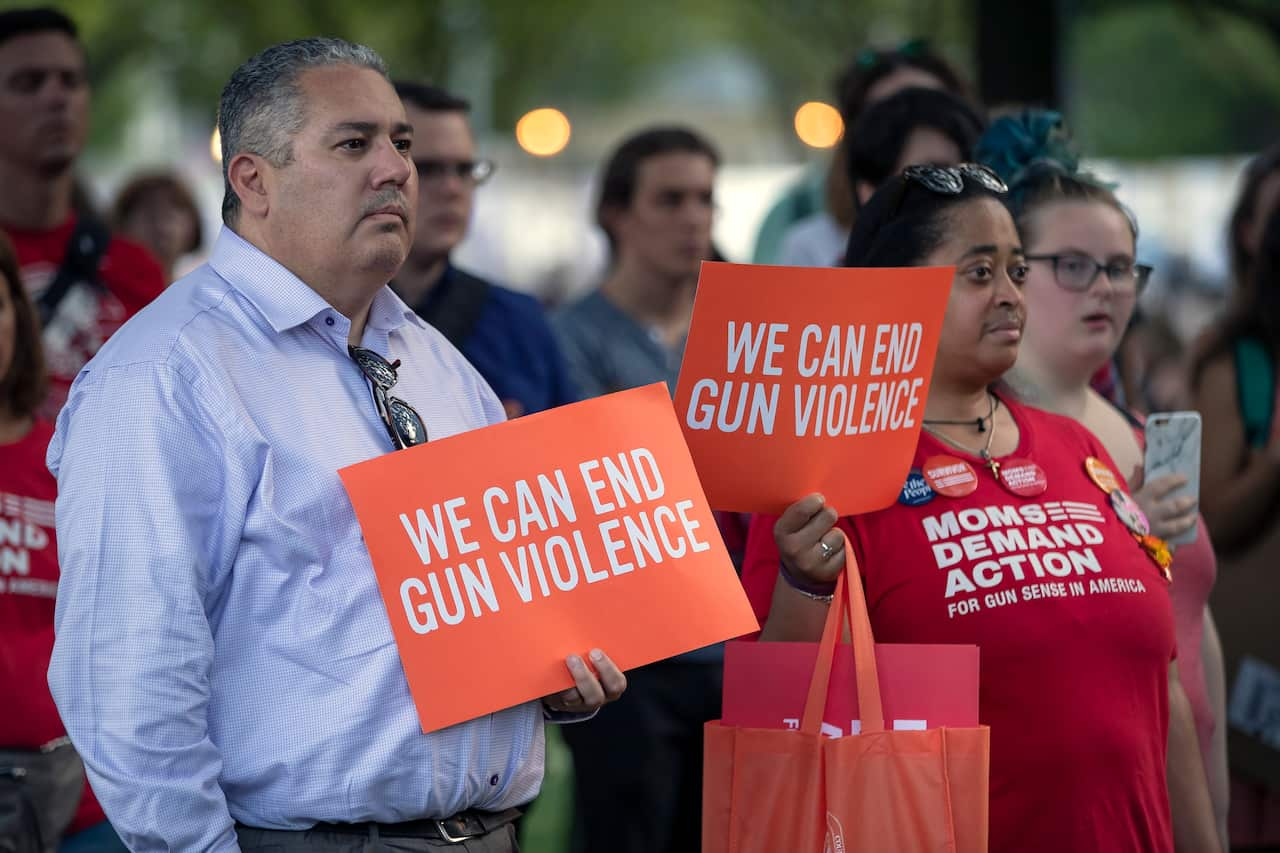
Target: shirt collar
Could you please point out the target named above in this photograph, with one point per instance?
(389, 312)
(285, 300)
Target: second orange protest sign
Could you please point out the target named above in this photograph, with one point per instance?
(499, 552)
(799, 380)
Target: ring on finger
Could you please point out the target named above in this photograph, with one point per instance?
(826, 549)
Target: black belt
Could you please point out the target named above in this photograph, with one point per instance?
(471, 823)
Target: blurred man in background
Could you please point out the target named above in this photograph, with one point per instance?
(638, 764)
(503, 333)
(85, 283)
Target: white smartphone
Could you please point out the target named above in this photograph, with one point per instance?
(1173, 447)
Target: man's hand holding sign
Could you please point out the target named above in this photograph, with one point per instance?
(588, 692)
(518, 547)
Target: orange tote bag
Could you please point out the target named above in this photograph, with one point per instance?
(880, 791)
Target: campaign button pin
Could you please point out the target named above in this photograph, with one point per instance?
(1023, 477)
(1129, 513)
(1101, 475)
(950, 476)
(915, 491)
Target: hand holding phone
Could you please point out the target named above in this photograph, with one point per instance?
(1173, 448)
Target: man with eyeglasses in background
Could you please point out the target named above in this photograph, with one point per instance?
(502, 333)
(223, 658)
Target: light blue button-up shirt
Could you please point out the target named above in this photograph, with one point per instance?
(223, 652)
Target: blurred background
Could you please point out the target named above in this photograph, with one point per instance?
(1166, 95)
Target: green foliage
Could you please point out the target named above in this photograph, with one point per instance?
(508, 55)
(1156, 79)
(529, 53)
(1146, 77)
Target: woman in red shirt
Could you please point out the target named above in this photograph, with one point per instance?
(1012, 533)
(35, 754)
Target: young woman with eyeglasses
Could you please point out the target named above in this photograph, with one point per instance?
(1013, 533)
(1082, 287)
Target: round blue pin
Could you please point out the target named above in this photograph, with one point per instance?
(915, 491)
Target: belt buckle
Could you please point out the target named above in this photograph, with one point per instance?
(452, 839)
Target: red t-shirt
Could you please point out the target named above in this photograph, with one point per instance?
(85, 317)
(28, 588)
(1075, 630)
(1195, 570)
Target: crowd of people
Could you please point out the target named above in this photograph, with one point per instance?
(193, 648)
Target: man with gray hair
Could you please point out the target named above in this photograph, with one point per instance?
(224, 662)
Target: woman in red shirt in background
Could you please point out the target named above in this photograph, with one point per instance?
(1012, 533)
(37, 763)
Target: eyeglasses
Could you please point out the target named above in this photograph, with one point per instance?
(949, 180)
(468, 171)
(1077, 272)
(404, 425)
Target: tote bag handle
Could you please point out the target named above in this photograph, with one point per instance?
(849, 599)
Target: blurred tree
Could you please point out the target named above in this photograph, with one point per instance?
(1167, 79)
(509, 55)
(516, 51)
(1139, 77)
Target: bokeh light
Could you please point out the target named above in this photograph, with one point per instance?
(543, 132)
(818, 125)
(215, 146)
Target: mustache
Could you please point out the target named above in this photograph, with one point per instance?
(1008, 316)
(390, 197)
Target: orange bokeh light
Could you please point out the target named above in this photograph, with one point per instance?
(818, 125)
(543, 132)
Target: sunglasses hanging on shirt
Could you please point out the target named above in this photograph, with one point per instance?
(404, 424)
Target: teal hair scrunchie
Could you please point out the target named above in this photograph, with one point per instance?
(1016, 144)
(1029, 146)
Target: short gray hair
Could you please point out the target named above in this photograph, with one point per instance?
(262, 109)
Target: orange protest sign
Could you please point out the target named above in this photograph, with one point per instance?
(501, 551)
(802, 380)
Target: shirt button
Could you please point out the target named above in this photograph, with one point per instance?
(328, 321)
(493, 780)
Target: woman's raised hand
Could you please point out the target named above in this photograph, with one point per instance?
(810, 546)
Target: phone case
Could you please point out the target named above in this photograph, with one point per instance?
(1173, 447)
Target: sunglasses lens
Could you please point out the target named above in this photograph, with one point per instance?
(982, 175)
(408, 424)
(375, 367)
(936, 179)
